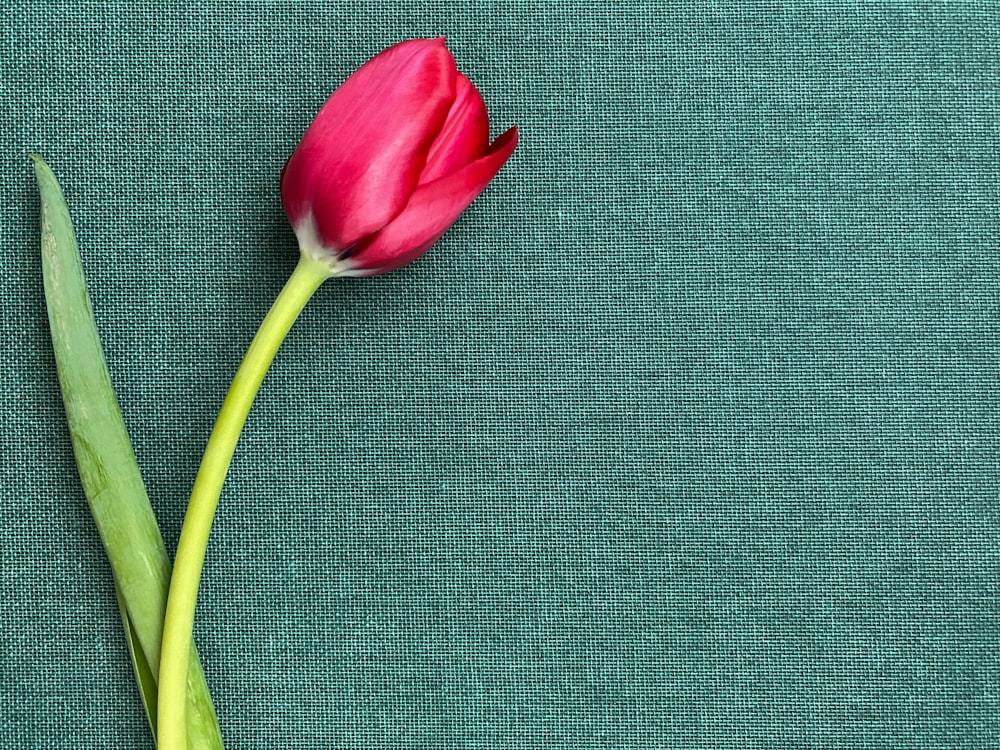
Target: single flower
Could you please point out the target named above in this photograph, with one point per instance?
(393, 158)
(390, 162)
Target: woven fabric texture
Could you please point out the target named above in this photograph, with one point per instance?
(685, 436)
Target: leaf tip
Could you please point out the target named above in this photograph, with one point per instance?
(41, 168)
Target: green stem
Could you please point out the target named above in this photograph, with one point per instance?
(178, 623)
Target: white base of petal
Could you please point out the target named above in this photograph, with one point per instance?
(311, 247)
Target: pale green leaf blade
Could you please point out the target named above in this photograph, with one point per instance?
(144, 676)
(106, 461)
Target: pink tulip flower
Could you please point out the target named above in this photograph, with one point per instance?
(393, 158)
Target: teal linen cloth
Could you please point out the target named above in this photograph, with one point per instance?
(685, 436)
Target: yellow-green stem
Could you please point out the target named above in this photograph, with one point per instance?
(178, 623)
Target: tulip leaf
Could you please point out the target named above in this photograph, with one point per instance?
(107, 465)
(144, 676)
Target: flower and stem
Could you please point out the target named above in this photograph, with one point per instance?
(393, 158)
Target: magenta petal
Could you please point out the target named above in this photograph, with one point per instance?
(433, 208)
(361, 158)
(464, 137)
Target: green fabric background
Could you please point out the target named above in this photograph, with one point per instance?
(685, 436)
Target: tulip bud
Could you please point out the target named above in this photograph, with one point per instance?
(393, 158)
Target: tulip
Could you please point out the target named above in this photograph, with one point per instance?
(391, 161)
(393, 158)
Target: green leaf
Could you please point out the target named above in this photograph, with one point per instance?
(144, 676)
(108, 469)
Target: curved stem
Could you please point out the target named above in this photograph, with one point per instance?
(178, 623)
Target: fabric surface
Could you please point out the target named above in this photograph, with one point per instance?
(685, 436)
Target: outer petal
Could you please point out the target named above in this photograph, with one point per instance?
(361, 158)
(464, 137)
(433, 208)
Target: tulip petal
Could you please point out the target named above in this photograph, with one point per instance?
(464, 137)
(361, 158)
(433, 208)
